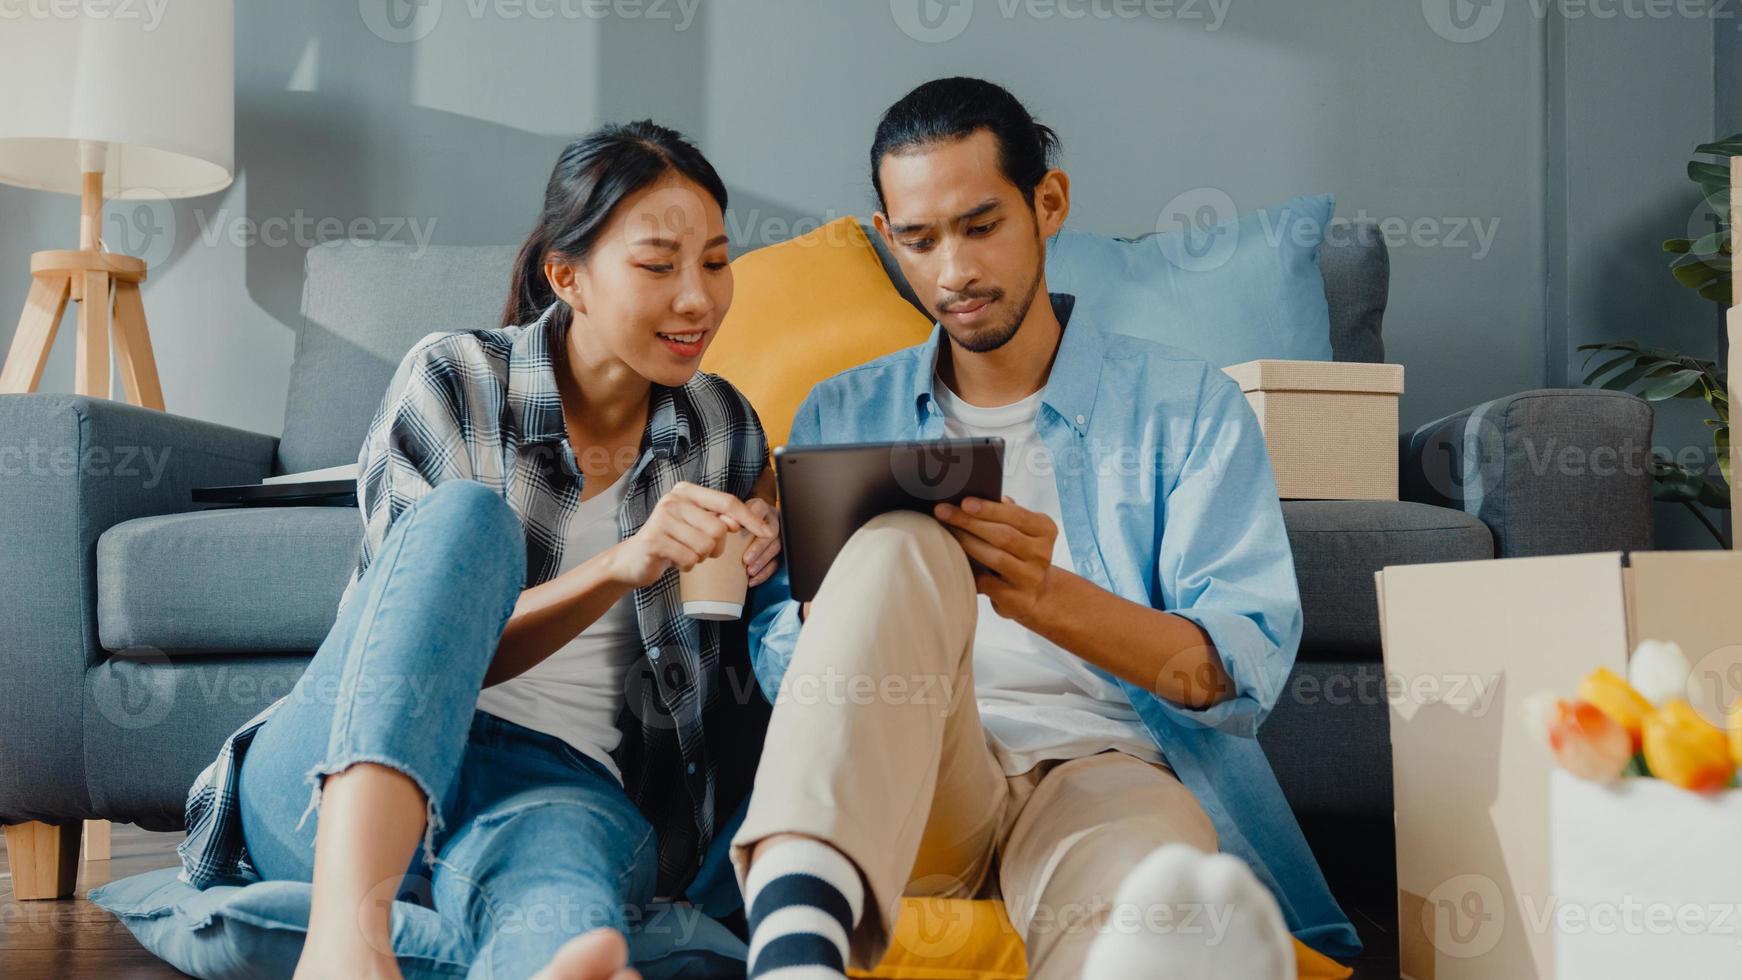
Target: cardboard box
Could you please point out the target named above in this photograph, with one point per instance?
(1331, 427)
(1487, 868)
(1646, 880)
(1465, 643)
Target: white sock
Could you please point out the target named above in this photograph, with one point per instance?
(1183, 913)
(803, 899)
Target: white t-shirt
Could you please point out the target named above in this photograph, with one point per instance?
(576, 693)
(1037, 700)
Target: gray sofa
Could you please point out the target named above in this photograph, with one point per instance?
(137, 632)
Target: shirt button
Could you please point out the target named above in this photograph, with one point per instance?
(653, 653)
(1082, 420)
(692, 768)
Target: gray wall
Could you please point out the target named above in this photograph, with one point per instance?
(1629, 102)
(1562, 138)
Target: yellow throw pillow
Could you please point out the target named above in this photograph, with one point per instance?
(806, 309)
(958, 939)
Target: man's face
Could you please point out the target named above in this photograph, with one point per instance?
(969, 244)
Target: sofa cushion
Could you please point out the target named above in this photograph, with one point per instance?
(363, 305)
(778, 341)
(1357, 271)
(236, 579)
(1331, 701)
(1254, 290)
(1353, 261)
(1339, 544)
(256, 931)
(151, 722)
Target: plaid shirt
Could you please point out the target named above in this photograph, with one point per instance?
(483, 405)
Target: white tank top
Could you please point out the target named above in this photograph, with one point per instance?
(576, 693)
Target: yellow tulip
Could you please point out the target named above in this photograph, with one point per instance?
(1613, 696)
(1735, 732)
(1684, 748)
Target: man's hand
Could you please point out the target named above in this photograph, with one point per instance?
(1013, 544)
(762, 557)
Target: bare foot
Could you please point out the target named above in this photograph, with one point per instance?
(320, 961)
(602, 954)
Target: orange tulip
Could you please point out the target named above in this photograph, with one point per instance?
(1610, 694)
(1586, 742)
(1684, 748)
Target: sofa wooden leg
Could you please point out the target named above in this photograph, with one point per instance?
(98, 834)
(44, 859)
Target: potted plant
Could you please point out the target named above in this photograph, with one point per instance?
(1657, 374)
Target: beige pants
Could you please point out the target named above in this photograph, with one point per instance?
(876, 748)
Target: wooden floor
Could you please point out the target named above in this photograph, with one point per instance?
(74, 940)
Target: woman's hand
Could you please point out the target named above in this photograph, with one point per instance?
(762, 557)
(687, 526)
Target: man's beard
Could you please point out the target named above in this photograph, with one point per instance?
(988, 339)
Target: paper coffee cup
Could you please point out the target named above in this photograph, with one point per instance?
(715, 589)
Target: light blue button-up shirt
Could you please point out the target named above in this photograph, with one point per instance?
(1167, 498)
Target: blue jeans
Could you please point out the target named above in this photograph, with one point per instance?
(528, 842)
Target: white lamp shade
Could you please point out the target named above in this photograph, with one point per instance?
(154, 83)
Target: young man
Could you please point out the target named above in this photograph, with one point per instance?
(1074, 724)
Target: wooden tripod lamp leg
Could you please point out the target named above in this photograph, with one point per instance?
(133, 348)
(91, 368)
(43, 309)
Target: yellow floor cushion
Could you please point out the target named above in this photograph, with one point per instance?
(958, 939)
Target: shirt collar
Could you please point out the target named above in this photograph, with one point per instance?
(1070, 387)
(532, 368)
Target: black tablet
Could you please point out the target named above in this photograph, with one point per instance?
(828, 492)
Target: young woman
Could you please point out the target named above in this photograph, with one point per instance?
(511, 695)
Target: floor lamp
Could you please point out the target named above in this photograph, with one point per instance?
(138, 104)
(117, 107)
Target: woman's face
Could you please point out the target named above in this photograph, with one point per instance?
(656, 286)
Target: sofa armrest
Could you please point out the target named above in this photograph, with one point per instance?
(71, 467)
(1551, 471)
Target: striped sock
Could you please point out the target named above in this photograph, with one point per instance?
(804, 898)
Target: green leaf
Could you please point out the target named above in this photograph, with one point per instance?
(1718, 291)
(1729, 146)
(1714, 183)
(1611, 345)
(1714, 496)
(1675, 485)
(1678, 246)
(1715, 244)
(1695, 274)
(1670, 385)
(1607, 366)
(1704, 172)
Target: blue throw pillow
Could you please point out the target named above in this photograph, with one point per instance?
(255, 932)
(1241, 289)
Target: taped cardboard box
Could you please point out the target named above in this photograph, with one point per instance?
(1331, 427)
